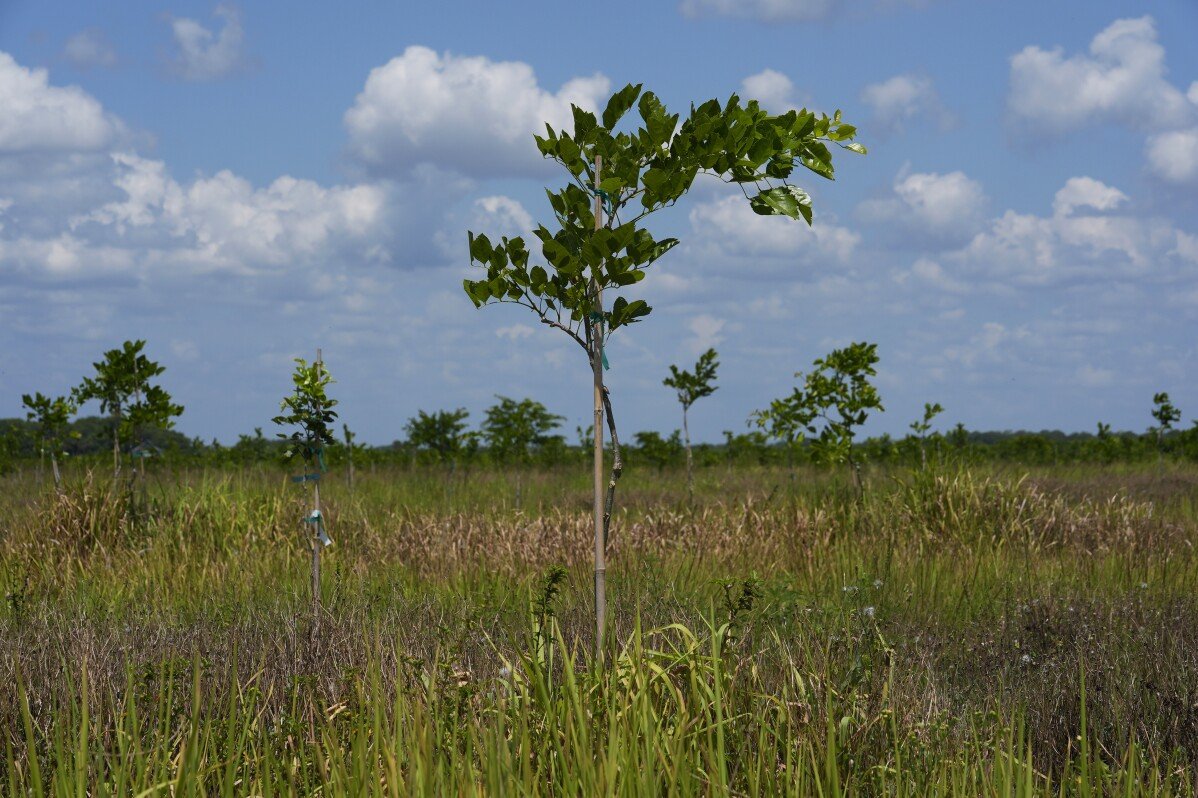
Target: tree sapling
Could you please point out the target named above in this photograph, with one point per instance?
(310, 410)
(691, 387)
(615, 179)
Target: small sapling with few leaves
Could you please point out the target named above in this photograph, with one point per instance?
(309, 409)
(923, 426)
(1166, 416)
(53, 419)
(690, 387)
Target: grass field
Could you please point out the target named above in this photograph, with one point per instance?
(957, 632)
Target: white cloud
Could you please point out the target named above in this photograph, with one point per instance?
(1173, 156)
(1122, 80)
(773, 90)
(90, 48)
(1081, 240)
(224, 223)
(1086, 192)
(204, 55)
(929, 203)
(41, 117)
(730, 226)
(769, 10)
(1092, 377)
(928, 272)
(903, 99)
(706, 332)
(514, 332)
(467, 114)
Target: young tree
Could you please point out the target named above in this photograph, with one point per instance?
(657, 450)
(1166, 416)
(310, 411)
(920, 428)
(350, 448)
(615, 180)
(443, 432)
(122, 386)
(513, 429)
(837, 393)
(786, 421)
(53, 418)
(691, 387)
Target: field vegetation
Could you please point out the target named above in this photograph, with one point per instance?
(960, 629)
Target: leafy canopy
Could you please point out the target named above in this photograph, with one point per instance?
(830, 403)
(930, 411)
(645, 169)
(841, 395)
(52, 417)
(511, 429)
(443, 432)
(122, 387)
(693, 386)
(310, 409)
(1164, 412)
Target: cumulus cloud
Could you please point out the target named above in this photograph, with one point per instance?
(706, 332)
(224, 223)
(730, 226)
(903, 99)
(465, 113)
(1173, 156)
(1082, 240)
(1086, 192)
(773, 90)
(90, 48)
(1121, 80)
(767, 10)
(40, 117)
(929, 204)
(202, 55)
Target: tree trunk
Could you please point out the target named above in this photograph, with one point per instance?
(116, 447)
(857, 477)
(57, 475)
(597, 374)
(316, 544)
(690, 476)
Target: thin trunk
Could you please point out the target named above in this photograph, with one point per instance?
(57, 475)
(316, 541)
(690, 477)
(316, 545)
(116, 446)
(597, 373)
(923, 454)
(857, 477)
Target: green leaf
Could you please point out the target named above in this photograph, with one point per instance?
(619, 104)
(789, 201)
(857, 148)
(584, 124)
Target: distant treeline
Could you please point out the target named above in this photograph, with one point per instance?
(91, 438)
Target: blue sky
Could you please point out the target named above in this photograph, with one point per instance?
(239, 184)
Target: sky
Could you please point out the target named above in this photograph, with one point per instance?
(239, 184)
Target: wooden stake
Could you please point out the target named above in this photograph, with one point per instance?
(597, 371)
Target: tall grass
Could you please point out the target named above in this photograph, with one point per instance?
(956, 633)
